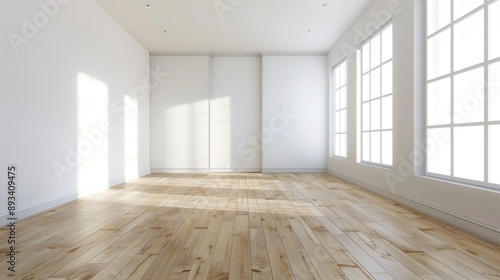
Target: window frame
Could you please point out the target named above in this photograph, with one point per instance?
(377, 32)
(334, 110)
(484, 65)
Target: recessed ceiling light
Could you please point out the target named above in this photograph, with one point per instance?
(324, 6)
(148, 6)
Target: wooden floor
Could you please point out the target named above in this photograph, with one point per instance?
(244, 226)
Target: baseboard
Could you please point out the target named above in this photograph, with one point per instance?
(32, 210)
(180, 170)
(39, 208)
(294, 170)
(474, 227)
(235, 170)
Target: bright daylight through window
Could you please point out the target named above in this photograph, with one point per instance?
(340, 110)
(463, 91)
(376, 101)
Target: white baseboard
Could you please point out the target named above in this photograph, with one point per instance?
(35, 209)
(294, 170)
(484, 231)
(235, 170)
(39, 208)
(180, 170)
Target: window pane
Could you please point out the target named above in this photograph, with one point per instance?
(387, 112)
(343, 98)
(439, 55)
(462, 7)
(366, 57)
(469, 41)
(337, 100)
(337, 144)
(366, 146)
(387, 43)
(438, 14)
(387, 147)
(468, 97)
(469, 152)
(375, 114)
(439, 151)
(439, 102)
(366, 116)
(387, 78)
(375, 51)
(343, 121)
(375, 147)
(337, 78)
(494, 154)
(338, 120)
(375, 90)
(494, 31)
(343, 147)
(343, 77)
(494, 92)
(366, 87)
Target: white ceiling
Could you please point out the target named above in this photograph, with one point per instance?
(237, 26)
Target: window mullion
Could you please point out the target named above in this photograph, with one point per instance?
(452, 87)
(361, 108)
(486, 92)
(381, 95)
(370, 98)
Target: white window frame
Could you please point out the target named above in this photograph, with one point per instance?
(379, 98)
(337, 109)
(485, 124)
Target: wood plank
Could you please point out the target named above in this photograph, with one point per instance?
(241, 249)
(261, 267)
(219, 267)
(201, 265)
(88, 271)
(436, 266)
(301, 264)
(187, 258)
(323, 262)
(387, 260)
(368, 262)
(140, 270)
(127, 255)
(280, 266)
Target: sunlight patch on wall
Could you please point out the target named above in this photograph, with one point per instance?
(131, 148)
(185, 126)
(220, 132)
(93, 127)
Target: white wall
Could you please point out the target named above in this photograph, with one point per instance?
(60, 82)
(180, 115)
(294, 113)
(235, 114)
(471, 208)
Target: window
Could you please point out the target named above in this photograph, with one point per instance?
(340, 110)
(463, 92)
(376, 98)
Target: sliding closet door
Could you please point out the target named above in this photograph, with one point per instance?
(295, 113)
(235, 114)
(180, 114)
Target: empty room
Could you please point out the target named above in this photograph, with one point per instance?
(250, 139)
